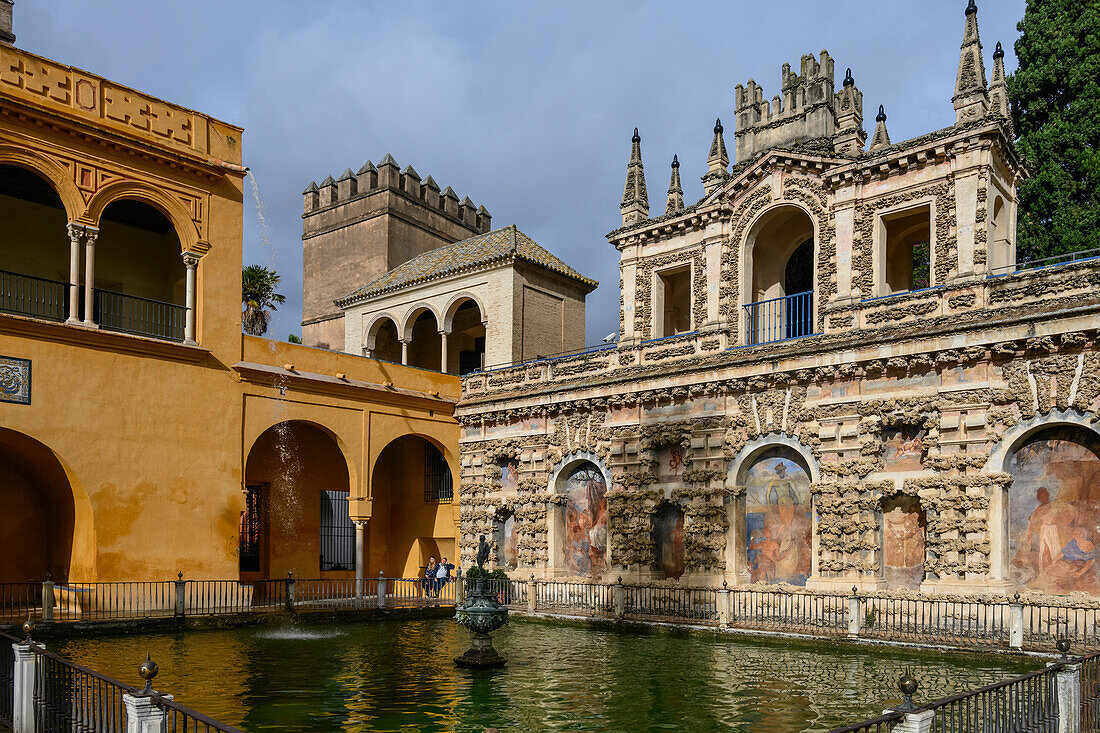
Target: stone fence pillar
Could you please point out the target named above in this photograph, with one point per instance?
(532, 594)
(1068, 686)
(919, 721)
(143, 716)
(724, 611)
(381, 590)
(181, 595)
(1016, 624)
(290, 592)
(855, 623)
(26, 662)
(460, 587)
(618, 598)
(47, 599)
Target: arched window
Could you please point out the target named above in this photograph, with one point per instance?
(1054, 511)
(779, 276)
(425, 341)
(34, 247)
(466, 339)
(382, 341)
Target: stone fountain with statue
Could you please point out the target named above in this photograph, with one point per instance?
(482, 614)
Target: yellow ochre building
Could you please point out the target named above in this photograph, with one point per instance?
(140, 433)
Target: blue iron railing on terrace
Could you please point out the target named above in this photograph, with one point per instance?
(36, 297)
(779, 319)
(141, 316)
(1064, 259)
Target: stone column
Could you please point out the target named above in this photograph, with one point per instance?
(143, 715)
(1068, 680)
(76, 232)
(190, 261)
(360, 528)
(90, 234)
(404, 352)
(443, 351)
(23, 678)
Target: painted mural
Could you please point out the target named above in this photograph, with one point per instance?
(903, 448)
(778, 524)
(668, 540)
(903, 533)
(1054, 512)
(507, 543)
(670, 464)
(509, 475)
(585, 513)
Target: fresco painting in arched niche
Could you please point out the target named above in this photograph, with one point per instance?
(778, 525)
(903, 538)
(509, 475)
(903, 447)
(507, 539)
(668, 540)
(1054, 511)
(585, 513)
(670, 464)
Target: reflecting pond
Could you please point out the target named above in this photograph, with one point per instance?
(399, 676)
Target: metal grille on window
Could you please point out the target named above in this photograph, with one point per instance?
(251, 530)
(337, 532)
(437, 477)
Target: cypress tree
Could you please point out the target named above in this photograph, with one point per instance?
(1055, 97)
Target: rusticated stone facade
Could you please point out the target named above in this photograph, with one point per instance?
(825, 421)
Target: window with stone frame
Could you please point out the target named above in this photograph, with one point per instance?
(905, 248)
(672, 302)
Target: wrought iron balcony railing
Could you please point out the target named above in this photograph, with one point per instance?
(141, 316)
(36, 297)
(779, 319)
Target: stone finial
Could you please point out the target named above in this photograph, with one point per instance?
(971, 98)
(717, 160)
(881, 137)
(675, 190)
(998, 89)
(635, 205)
(850, 135)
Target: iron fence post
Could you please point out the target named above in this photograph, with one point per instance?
(1016, 623)
(619, 598)
(290, 581)
(23, 682)
(381, 590)
(47, 599)
(724, 605)
(181, 595)
(532, 594)
(855, 623)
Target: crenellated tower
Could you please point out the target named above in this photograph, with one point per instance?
(971, 98)
(357, 227)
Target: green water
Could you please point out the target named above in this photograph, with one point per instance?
(399, 676)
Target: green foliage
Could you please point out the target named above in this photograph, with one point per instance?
(476, 572)
(292, 338)
(1055, 97)
(258, 297)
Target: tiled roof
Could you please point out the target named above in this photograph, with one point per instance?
(499, 245)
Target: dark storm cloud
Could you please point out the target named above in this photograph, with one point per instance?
(526, 108)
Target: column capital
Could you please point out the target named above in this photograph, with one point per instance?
(191, 259)
(90, 234)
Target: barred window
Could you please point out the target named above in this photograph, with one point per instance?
(438, 487)
(251, 529)
(337, 532)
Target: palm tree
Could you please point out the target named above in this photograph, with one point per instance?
(258, 297)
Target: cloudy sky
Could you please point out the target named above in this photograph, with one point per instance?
(525, 107)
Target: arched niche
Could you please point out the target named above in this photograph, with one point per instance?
(1051, 526)
(904, 538)
(667, 533)
(577, 521)
(382, 340)
(506, 537)
(771, 535)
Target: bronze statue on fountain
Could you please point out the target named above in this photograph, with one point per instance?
(482, 614)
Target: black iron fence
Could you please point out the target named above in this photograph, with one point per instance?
(141, 316)
(36, 297)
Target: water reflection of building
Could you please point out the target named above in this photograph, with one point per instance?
(853, 319)
(141, 433)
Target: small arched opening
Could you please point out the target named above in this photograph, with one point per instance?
(424, 340)
(140, 277)
(296, 517)
(34, 246)
(465, 338)
(779, 269)
(382, 341)
(411, 489)
(903, 542)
